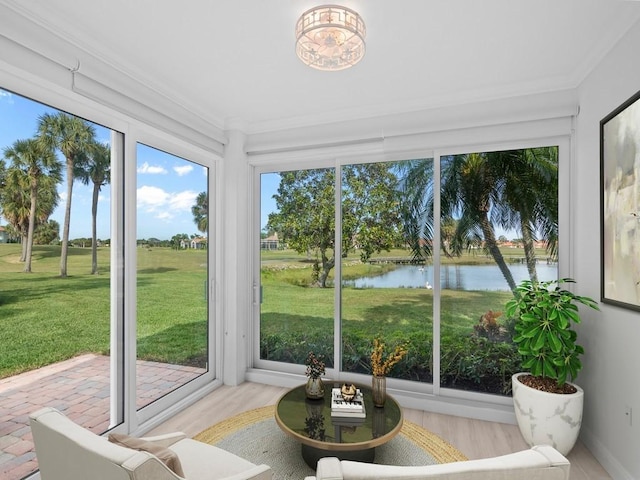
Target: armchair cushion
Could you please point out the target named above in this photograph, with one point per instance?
(165, 455)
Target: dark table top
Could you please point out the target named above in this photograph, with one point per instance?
(311, 423)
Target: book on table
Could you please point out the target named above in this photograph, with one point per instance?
(353, 408)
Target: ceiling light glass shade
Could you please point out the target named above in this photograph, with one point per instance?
(330, 37)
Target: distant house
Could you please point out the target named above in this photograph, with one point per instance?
(4, 235)
(198, 243)
(270, 243)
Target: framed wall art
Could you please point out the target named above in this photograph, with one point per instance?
(620, 205)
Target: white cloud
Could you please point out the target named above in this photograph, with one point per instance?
(183, 201)
(165, 205)
(164, 215)
(151, 197)
(183, 170)
(152, 169)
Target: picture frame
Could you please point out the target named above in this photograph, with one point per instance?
(620, 205)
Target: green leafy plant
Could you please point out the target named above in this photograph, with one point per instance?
(544, 314)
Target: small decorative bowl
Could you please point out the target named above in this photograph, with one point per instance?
(348, 391)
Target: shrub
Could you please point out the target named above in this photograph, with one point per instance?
(467, 362)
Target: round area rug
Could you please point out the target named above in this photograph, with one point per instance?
(255, 436)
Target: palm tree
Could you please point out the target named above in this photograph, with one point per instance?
(97, 170)
(531, 191)
(16, 203)
(3, 181)
(201, 212)
(416, 184)
(479, 192)
(74, 137)
(470, 194)
(36, 161)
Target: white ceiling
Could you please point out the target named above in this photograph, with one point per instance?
(235, 59)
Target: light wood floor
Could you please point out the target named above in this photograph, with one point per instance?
(474, 438)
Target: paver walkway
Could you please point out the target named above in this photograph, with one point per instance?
(79, 388)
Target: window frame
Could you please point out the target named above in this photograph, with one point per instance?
(492, 138)
(123, 412)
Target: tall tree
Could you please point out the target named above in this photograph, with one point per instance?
(305, 219)
(96, 169)
(73, 137)
(470, 194)
(37, 162)
(531, 190)
(200, 212)
(3, 180)
(481, 191)
(16, 203)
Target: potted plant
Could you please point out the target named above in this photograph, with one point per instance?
(548, 406)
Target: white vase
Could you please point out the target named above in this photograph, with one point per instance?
(547, 418)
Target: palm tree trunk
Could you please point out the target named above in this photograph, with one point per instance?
(529, 251)
(23, 249)
(67, 220)
(492, 246)
(94, 240)
(32, 227)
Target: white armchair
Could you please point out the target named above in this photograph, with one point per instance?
(67, 451)
(538, 463)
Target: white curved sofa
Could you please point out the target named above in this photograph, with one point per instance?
(541, 462)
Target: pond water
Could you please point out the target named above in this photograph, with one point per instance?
(454, 277)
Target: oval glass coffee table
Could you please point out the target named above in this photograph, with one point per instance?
(321, 435)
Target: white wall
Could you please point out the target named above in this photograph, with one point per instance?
(610, 337)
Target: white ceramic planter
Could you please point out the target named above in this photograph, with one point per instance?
(547, 418)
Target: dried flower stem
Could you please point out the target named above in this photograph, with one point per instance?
(381, 366)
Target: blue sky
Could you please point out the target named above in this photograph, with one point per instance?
(167, 186)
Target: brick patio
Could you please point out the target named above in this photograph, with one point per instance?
(80, 388)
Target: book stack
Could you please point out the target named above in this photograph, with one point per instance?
(341, 408)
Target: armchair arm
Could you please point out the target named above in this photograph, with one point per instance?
(166, 439)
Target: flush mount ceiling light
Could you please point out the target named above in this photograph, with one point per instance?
(330, 37)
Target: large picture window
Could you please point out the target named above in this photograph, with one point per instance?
(446, 238)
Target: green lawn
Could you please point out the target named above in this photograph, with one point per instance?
(46, 318)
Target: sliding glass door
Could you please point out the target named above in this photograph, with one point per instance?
(297, 256)
(105, 272)
(55, 272)
(172, 299)
(421, 254)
